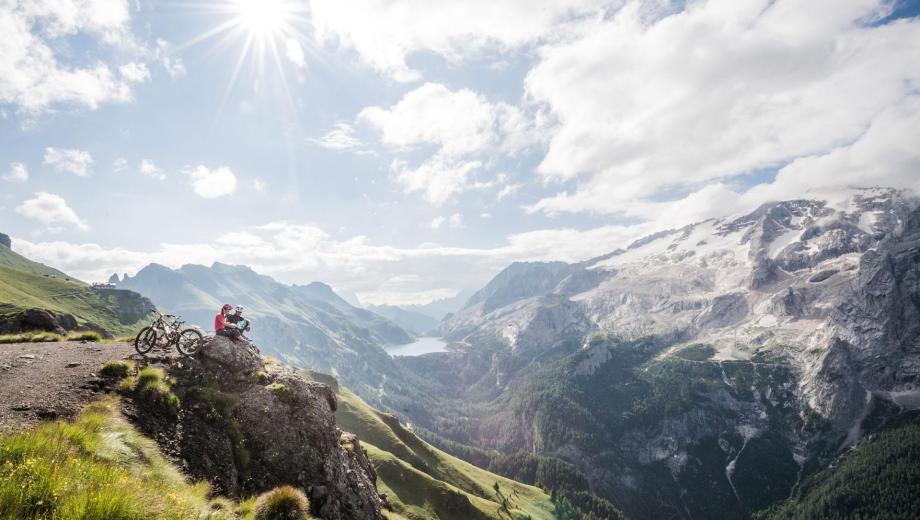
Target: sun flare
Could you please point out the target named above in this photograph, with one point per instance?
(265, 17)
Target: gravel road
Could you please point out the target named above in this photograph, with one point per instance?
(41, 381)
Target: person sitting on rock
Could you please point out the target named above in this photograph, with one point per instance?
(236, 318)
(222, 327)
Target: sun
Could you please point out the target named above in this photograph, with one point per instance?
(263, 17)
(268, 37)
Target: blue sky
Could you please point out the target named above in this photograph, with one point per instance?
(404, 151)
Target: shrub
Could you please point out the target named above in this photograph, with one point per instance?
(86, 335)
(281, 392)
(116, 369)
(282, 503)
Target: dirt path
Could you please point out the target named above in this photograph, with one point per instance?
(51, 380)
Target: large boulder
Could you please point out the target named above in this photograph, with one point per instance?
(43, 319)
(247, 427)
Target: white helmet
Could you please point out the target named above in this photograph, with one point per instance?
(239, 309)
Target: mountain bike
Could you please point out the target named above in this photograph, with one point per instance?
(167, 330)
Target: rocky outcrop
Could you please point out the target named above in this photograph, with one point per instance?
(247, 427)
(38, 319)
(5, 241)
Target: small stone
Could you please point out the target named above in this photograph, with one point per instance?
(20, 407)
(5, 367)
(27, 356)
(46, 413)
(73, 364)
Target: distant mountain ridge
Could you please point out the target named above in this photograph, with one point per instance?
(308, 326)
(411, 320)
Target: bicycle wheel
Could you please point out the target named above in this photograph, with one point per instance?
(146, 339)
(189, 342)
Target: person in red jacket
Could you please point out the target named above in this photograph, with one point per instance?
(222, 327)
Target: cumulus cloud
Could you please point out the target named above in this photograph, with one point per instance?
(77, 162)
(294, 52)
(212, 184)
(465, 128)
(17, 173)
(150, 169)
(31, 75)
(135, 72)
(165, 55)
(455, 221)
(50, 209)
(716, 91)
(384, 33)
(341, 139)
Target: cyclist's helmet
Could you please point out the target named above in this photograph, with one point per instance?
(239, 309)
(227, 307)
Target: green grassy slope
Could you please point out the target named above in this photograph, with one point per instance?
(97, 466)
(25, 284)
(10, 258)
(423, 482)
(879, 479)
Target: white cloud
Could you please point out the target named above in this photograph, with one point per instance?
(211, 184)
(50, 209)
(485, 215)
(120, 165)
(465, 127)
(18, 173)
(294, 52)
(454, 221)
(172, 64)
(31, 76)
(150, 169)
(258, 185)
(77, 162)
(341, 138)
(715, 91)
(439, 179)
(508, 190)
(135, 72)
(384, 33)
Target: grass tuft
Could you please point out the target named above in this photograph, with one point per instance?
(282, 503)
(97, 466)
(117, 369)
(281, 392)
(152, 386)
(30, 337)
(85, 335)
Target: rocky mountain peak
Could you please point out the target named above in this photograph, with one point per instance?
(5, 241)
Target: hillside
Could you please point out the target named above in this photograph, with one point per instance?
(26, 285)
(877, 479)
(422, 481)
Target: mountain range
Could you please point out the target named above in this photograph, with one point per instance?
(701, 372)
